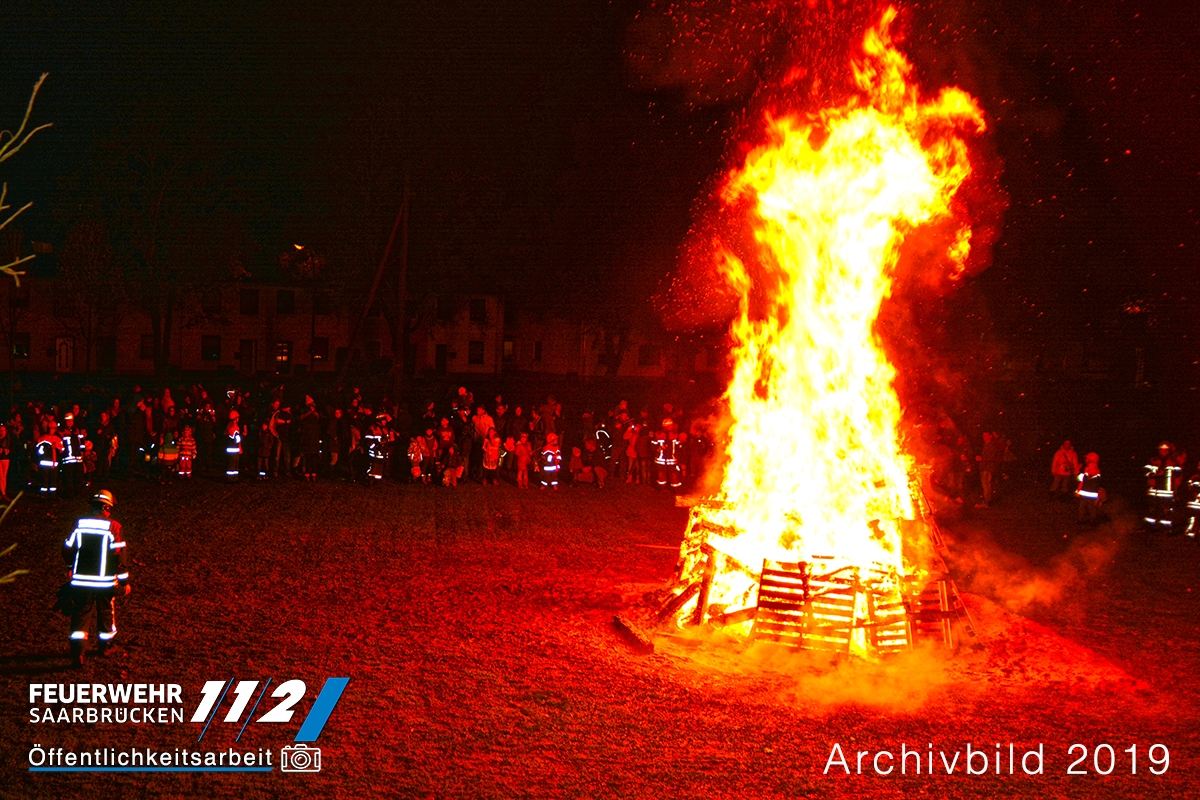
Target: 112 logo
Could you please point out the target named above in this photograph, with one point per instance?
(290, 693)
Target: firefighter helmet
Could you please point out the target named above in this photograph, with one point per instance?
(551, 438)
(1092, 458)
(1165, 446)
(105, 498)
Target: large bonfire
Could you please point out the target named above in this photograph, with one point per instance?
(815, 468)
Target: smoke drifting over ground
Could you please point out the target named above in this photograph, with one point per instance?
(989, 569)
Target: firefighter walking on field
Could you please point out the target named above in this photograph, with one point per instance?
(1164, 473)
(95, 552)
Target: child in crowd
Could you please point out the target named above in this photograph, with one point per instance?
(415, 456)
(523, 450)
(429, 456)
(575, 467)
(266, 447)
(491, 457)
(187, 452)
(90, 458)
(453, 467)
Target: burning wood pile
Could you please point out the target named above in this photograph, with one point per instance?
(818, 537)
(822, 603)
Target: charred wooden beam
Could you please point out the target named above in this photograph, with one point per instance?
(733, 617)
(677, 602)
(634, 637)
(710, 571)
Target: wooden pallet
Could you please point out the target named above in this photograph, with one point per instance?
(887, 624)
(805, 611)
(813, 610)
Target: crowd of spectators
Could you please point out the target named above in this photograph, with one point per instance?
(261, 434)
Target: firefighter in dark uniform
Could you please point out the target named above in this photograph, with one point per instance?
(551, 461)
(1164, 473)
(375, 450)
(1192, 489)
(71, 463)
(666, 457)
(95, 552)
(1091, 494)
(45, 455)
(233, 447)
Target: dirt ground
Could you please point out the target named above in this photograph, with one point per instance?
(475, 627)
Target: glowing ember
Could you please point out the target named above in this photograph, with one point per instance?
(815, 467)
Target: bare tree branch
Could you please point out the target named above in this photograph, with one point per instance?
(8, 149)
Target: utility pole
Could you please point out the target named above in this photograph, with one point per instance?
(398, 349)
(401, 215)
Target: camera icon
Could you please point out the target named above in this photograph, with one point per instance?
(300, 758)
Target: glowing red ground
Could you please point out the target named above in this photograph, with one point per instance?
(474, 627)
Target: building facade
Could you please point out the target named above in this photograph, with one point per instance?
(258, 329)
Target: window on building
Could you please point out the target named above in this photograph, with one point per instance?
(18, 296)
(106, 353)
(210, 348)
(445, 308)
(537, 352)
(64, 307)
(510, 313)
(210, 301)
(248, 304)
(510, 350)
(474, 352)
(283, 358)
(322, 304)
(285, 301)
(320, 349)
(649, 355)
(20, 344)
(146, 348)
(478, 311)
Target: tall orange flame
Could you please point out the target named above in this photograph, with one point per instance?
(815, 465)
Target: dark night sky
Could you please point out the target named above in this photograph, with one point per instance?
(522, 117)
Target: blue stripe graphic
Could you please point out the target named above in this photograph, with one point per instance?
(314, 723)
(251, 714)
(151, 769)
(216, 709)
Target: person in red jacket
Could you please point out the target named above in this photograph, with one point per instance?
(1064, 467)
(523, 450)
